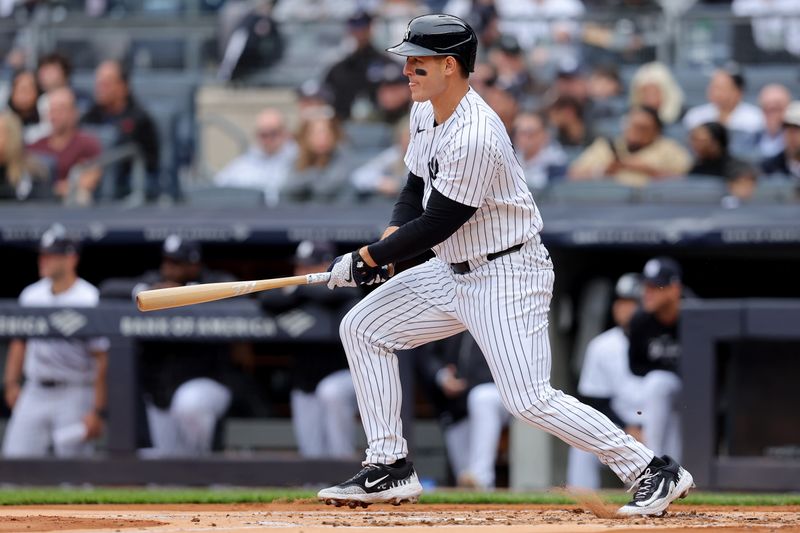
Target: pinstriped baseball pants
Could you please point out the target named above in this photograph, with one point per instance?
(504, 305)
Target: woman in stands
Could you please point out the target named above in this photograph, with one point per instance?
(20, 176)
(23, 102)
(709, 143)
(653, 85)
(324, 164)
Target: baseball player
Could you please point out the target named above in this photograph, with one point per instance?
(466, 198)
(607, 383)
(62, 403)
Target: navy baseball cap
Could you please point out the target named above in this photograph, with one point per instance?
(181, 250)
(56, 241)
(314, 252)
(629, 286)
(661, 271)
(359, 19)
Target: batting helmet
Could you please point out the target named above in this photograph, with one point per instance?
(439, 35)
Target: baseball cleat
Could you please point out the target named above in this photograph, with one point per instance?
(657, 487)
(375, 484)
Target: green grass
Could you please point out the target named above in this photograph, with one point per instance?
(52, 496)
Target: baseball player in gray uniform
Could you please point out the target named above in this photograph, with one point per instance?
(62, 403)
(466, 198)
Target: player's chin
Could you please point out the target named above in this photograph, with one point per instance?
(418, 96)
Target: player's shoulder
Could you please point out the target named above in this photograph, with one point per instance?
(85, 291)
(478, 119)
(606, 340)
(36, 293)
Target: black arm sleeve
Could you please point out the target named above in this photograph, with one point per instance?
(604, 406)
(441, 218)
(409, 203)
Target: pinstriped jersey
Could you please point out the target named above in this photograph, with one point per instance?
(470, 160)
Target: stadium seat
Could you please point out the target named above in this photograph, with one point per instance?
(775, 189)
(227, 197)
(588, 192)
(368, 134)
(694, 189)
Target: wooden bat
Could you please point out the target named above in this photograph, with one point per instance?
(155, 299)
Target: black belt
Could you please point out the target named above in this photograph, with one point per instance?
(463, 268)
(51, 383)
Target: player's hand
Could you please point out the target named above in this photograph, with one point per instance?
(94, 425)
(11, 392)
(350, 270)
(452, 386)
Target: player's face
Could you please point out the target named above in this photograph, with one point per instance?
(622, 310)
(56, 266)
(426, 77)
(655, 298)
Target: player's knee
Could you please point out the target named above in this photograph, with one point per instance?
(484, 395)
(331, 392)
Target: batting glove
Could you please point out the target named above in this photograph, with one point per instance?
(350, 270)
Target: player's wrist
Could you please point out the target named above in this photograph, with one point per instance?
(367, 257)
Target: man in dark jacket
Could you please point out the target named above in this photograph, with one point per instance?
(114, 105)
(788, 161)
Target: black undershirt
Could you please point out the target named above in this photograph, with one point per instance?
(419, 230)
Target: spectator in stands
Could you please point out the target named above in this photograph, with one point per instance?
(62, 402)
(356, 76)
(69, 147)
(773, 101)
(114, 105)
(484, 77)
(741, 186)
(642, 154)
(392, 97)
(471, 413)
(775, 23)
(23, 101)
(605, 92)
(254, 44)
(605, 379)
(53, 72)
(512, 72)
(394, 16)
(21, 177)
(323, 399)
(743, 120)
(323, 164)
(653, 85)
(787, 162)
(311, 94)
(308, 10)
(504, 104)
(385, 174)
(709, 143)
(549, 25)
(267, 163)
(654, 355)
(566, 116)
(542, 160)
(571, 81)
(481, 15)
(183, 383)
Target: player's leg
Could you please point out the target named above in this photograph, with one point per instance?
(487, 416)
(505, 304)
(164, 434)
(196, 407)
(583, 469)
(456, 439)
(308, 424)
(27, 433)
(70, 404)
(411, 309)
(659, 391)
(337, 398)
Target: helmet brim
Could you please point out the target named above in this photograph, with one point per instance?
(407, 49)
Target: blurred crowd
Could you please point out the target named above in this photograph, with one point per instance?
(572, 117)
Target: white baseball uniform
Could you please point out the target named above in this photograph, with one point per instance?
(504, 302)
(59, 381)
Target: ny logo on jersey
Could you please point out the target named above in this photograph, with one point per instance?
(433, 168)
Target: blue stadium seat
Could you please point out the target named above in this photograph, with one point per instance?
(223, 197)
(775, 189)
(694, 189)
(588, 192)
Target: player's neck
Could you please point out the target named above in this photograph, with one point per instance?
(62, 283)
(669, 315)
(445, 104)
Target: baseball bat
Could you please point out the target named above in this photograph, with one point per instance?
(155, 299)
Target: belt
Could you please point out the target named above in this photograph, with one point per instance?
(51, 383)
(463, 268)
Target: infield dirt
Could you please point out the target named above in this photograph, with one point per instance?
(312, 517)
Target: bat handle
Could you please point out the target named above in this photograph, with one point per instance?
(321, 277)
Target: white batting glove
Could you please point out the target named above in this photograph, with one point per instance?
(341, 272)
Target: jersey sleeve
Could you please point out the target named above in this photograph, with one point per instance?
(413, 158)
(466, 169)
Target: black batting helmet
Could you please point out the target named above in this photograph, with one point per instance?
(439, 35)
